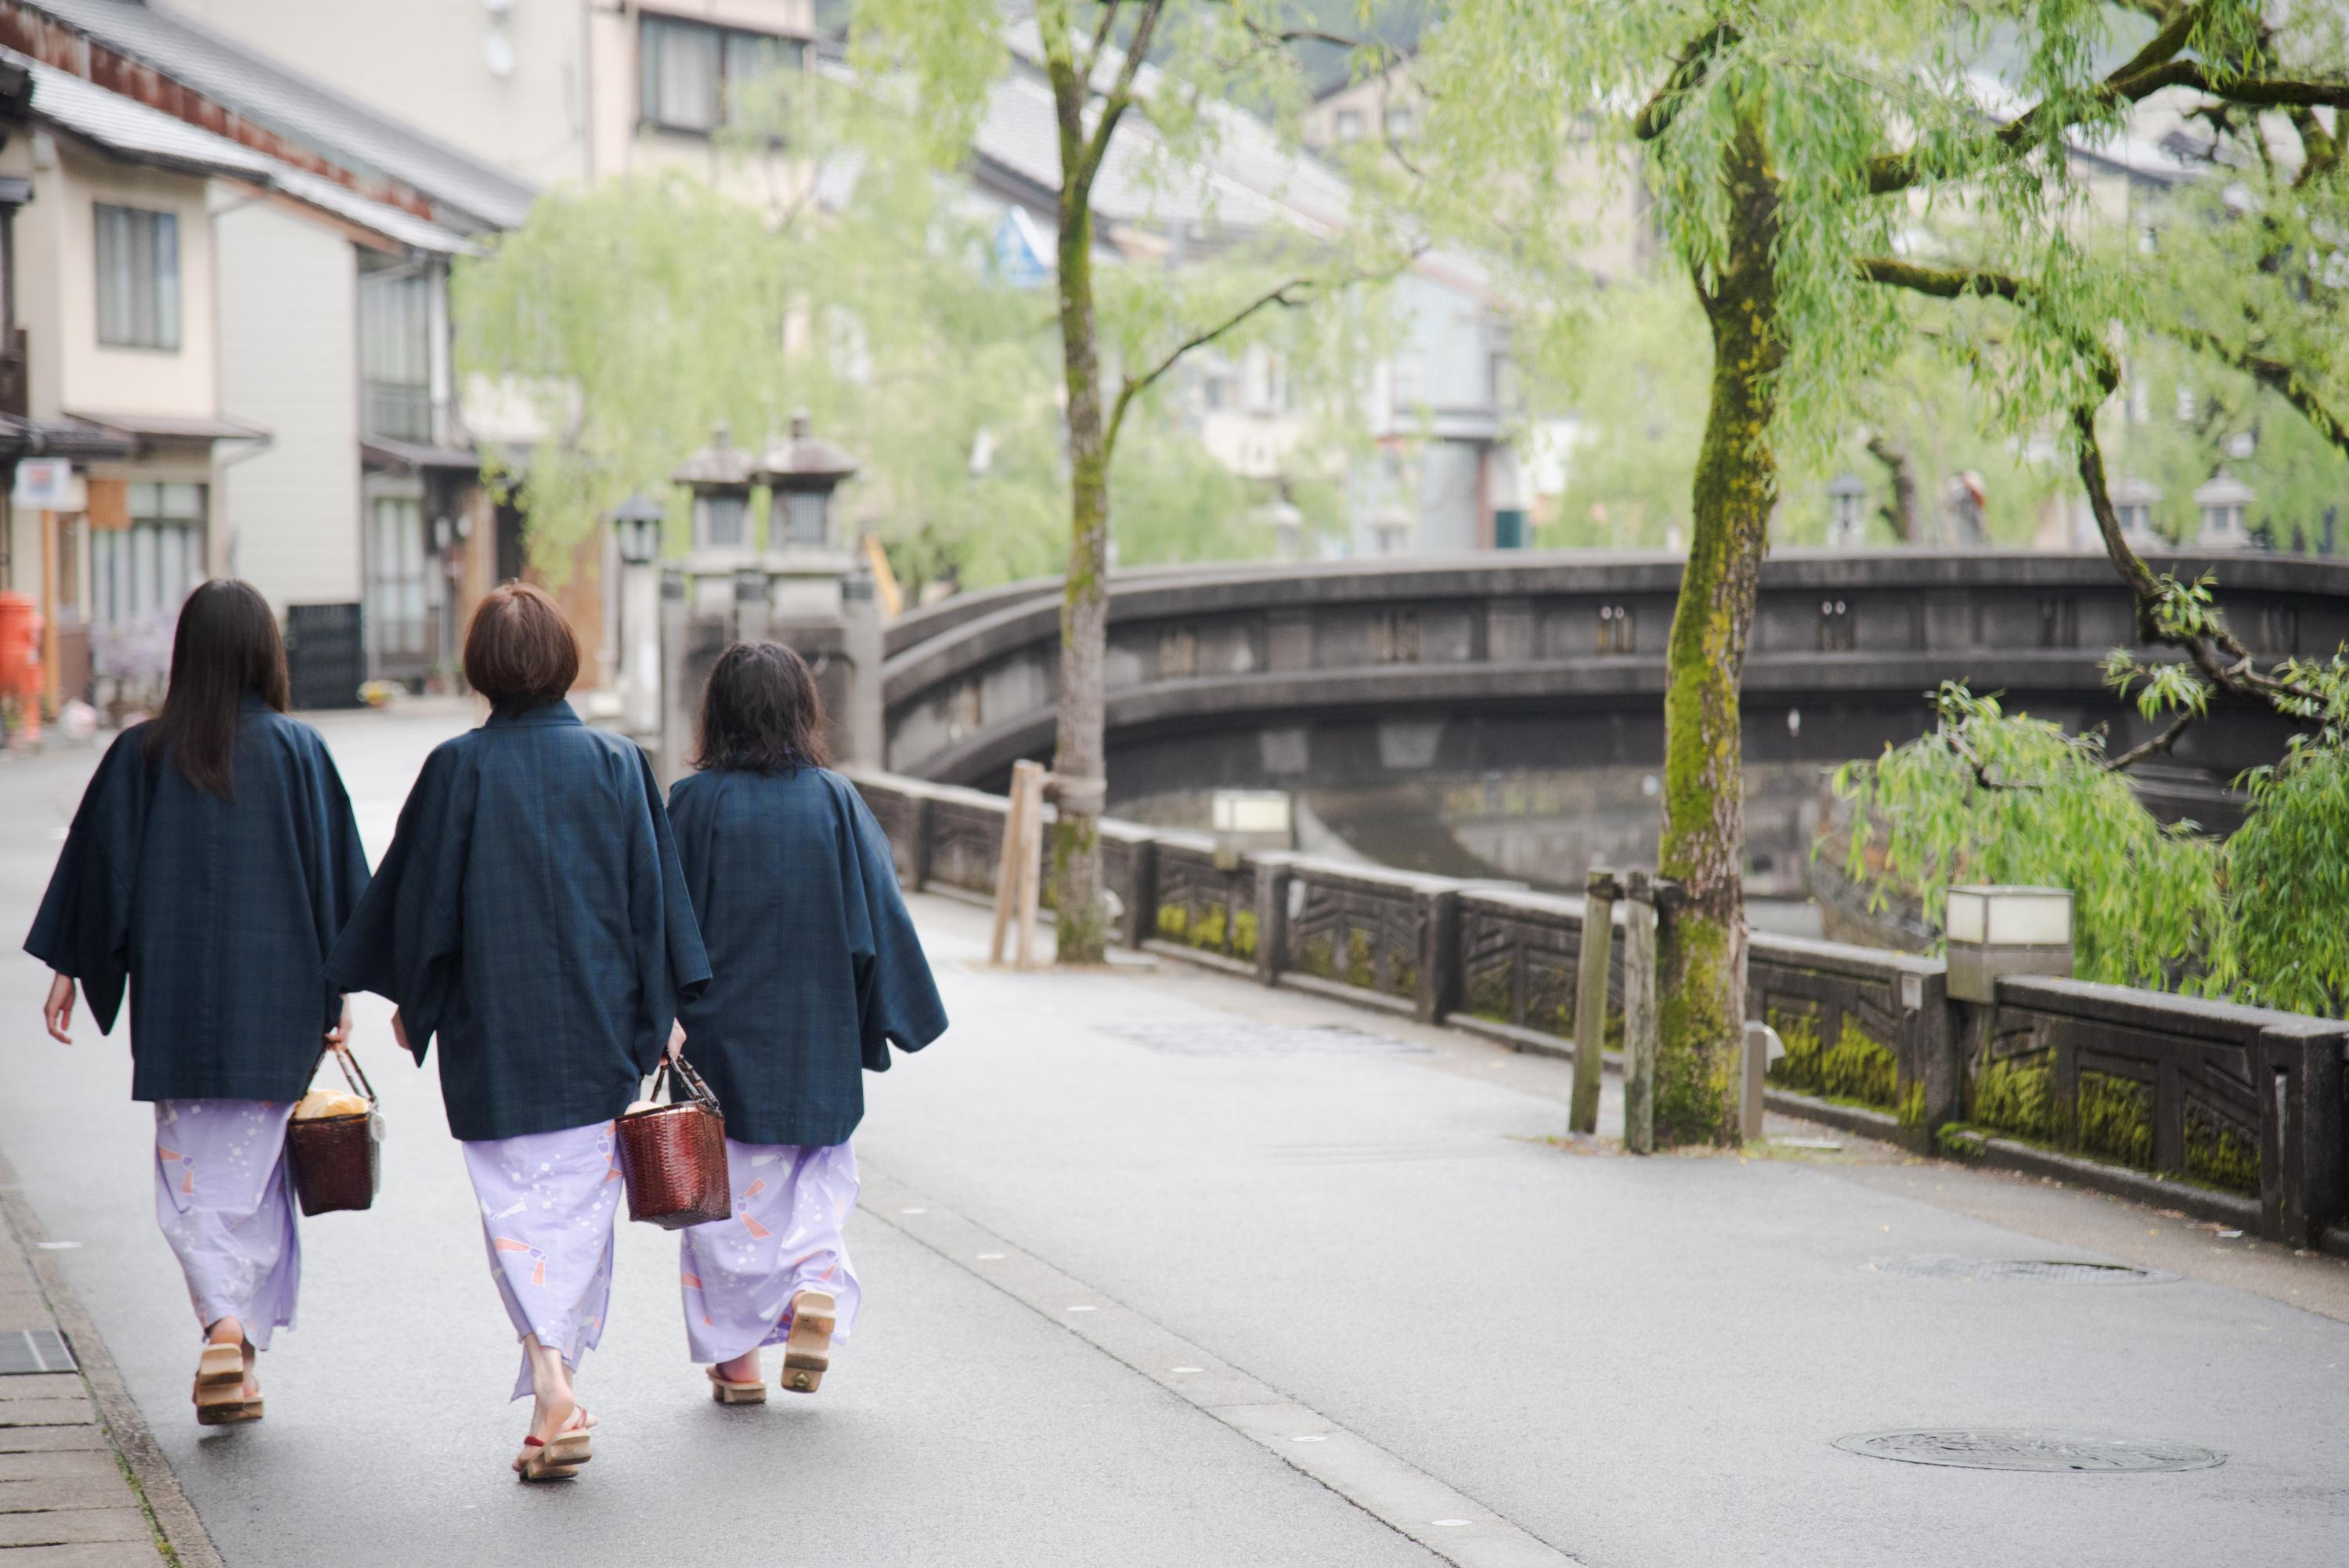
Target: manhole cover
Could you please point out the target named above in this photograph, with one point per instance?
(1241, 1038)
(2008, 1448)
(2021, 1271)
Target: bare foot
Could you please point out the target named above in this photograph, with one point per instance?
(230, 1331)
(743, 1369)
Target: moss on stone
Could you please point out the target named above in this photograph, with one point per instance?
(1243, 934)
(1861, 1069)
(1173, 921)
(1803, 1067)
(2113, 1118)
(1317, 955)
(1359, 970)
(2018, 1096)
(1492, 993)
(2217, 1156)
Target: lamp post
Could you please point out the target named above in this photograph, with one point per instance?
(637, 526)
(801, 472)
(1846, 495)
(1996, 930)
(2133, 502)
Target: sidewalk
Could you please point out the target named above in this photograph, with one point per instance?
(68, 1499)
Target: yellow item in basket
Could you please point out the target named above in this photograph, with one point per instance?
(321, 1102)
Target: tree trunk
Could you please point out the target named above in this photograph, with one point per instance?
(1902, 469)
(1701, 951)
(1077, 756)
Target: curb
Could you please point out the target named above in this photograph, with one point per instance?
(173, 1515)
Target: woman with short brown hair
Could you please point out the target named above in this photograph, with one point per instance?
(531, 914)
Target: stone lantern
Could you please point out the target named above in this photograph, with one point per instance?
(801, 473)
(719, 476)
(2225, 502)
(1847, 513)
(2133, 502)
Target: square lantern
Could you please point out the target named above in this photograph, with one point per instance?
(637, 525)
(801, 472)
(719, 476)
(2226, 504)
(1251, 813)
(2133, 502)
(1995, 931)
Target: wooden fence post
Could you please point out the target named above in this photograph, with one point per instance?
(1599, 895)
(1016, 879)
(1639, 1016)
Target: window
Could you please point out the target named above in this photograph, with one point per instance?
(397, 610)
(697, 77)
(1349, 125)
(138, 278)
(1398, 124)
(722, 519)
(396, 352)
(149, 567)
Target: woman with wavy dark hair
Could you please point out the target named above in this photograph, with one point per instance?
(817, 971)
(530, 913)
(209, 869)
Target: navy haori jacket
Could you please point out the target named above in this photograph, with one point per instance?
(816, 965)
(531, 914)
(218, 914)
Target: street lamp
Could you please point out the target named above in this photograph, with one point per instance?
(719, 476)
(801, 472)
(2224, 500)
(637, 526)
(1847, 494)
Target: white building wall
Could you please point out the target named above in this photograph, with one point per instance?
(289, 361)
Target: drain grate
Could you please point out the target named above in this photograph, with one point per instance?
(2010, 1449)
(1242, 1038)
(2021, 1271)
(35, 1350)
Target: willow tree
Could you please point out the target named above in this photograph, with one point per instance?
(1152, 79)
(1819, 171)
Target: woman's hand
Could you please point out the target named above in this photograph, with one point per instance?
(57, 1011)
(339, 1037)
(399, 1032)
(676, 1039)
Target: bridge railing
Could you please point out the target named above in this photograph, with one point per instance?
(2238, 1115)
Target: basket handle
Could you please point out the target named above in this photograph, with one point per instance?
(675, 1070)
(353, 1074)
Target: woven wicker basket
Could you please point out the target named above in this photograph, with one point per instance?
(674, 1155)
(339, 1160)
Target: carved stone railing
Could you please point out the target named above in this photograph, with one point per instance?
(2232, 1113)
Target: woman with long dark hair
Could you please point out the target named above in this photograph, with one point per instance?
(818, 971)
(210, 867)
(531, 914)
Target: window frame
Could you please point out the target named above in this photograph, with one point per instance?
(169, 326)
(790, 48)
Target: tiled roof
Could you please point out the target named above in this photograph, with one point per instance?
(301, 108)
(130, 129)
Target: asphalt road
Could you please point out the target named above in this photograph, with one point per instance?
(1506, 1350)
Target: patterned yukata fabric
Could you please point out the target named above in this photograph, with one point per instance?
(741, 1274)
(224, 1197)
(531, 914)
(215, 914)
(547, 1201)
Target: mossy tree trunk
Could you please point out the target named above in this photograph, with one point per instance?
(1702, 954)
(1077, 753)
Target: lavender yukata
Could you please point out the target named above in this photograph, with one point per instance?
(740, 1273)
(816, 972)
(547, 1204)
(530, 918)
(214, 914)
(224, 1197)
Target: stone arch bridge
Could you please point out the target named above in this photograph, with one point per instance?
(1359, 673)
